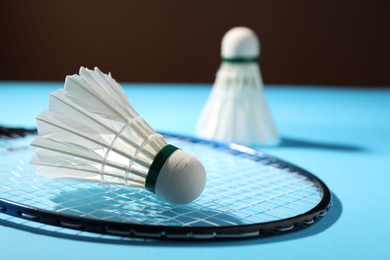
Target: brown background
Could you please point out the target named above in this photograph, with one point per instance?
(302, 42)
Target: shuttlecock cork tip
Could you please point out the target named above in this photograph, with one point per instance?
(181, 179)
(240, 43)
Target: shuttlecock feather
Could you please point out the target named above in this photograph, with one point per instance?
(90, 131)
(236, 110)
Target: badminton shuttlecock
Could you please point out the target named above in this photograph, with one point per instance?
(90, 131)
(236, 110)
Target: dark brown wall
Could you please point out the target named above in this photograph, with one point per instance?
(310, 42)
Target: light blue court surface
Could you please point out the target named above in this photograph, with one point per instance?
(340, 135)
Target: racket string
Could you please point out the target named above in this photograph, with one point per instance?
(240, 190)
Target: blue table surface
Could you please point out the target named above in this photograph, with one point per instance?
(341, 135)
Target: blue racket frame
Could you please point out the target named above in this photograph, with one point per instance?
(186, 233)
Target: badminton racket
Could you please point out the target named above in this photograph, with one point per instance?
(248, 194)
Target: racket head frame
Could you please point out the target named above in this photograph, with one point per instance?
(184, 233)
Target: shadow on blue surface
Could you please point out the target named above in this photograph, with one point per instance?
(139, 206)
(326, 222)
(289, 142)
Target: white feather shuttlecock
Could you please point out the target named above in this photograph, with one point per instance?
(90, 131)
(236, 110)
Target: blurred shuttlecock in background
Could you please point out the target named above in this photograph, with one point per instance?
(236, 110)
(90, 131)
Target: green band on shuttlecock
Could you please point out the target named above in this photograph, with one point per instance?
(157, 164)
(240, 60)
